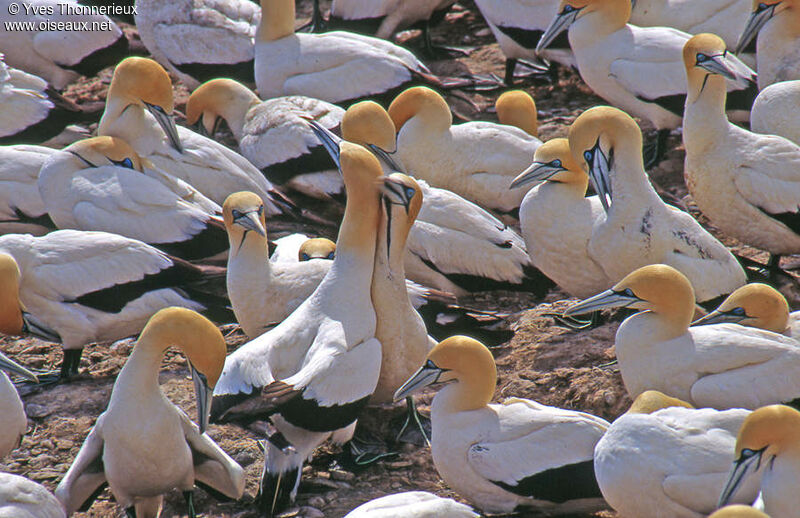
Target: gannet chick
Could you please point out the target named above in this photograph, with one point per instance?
(767, 445)
(756, 305)
(745, 183)
(81, 287)
(639, 228)
(21, 207)
(315, 371)
(776, 25)
(738, 511)
(262, 292)
(23, 498)
(60, 56)
(138, 110)
(274, 134)
(200, 40)
(557, 220)
(476, 160)
(774, 111)
(506, 456)
(637, 69)
(665, 459)
(143, 445)
(97, 184)
(412, 504)
(719, 366)
(15, 423)
(518, 26)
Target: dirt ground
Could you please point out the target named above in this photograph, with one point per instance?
(544, 361)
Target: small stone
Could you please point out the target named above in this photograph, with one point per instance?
(401, 464)
(36, 411)
(317, 501)
(244, 458)
(64, 444)
(338, 474)
(311, 512)
(483, 32)
(610, 398)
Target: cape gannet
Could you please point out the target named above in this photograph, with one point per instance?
(299, 247)
(738, 511)
(639, 228)
(776, 25)
(21, 207)
(719, 366)
(15, 423)
(143, 445)
(315, 371)
(23, 498)
(504, 456)
(756, 305)
(775, 109)
(412, 504)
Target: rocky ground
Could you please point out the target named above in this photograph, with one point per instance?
(544, 360)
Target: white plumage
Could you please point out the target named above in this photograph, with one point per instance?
(412, 504)
(15, 423)
(21, 207)
(756, 305)
(23, 498)
(775, 109)
(776, 28)
(389, 16)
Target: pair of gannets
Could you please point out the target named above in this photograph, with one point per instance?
(315, 371)
(15, 423)
(476, 160)
(79, 287)
(21, 207)
(776, 24)
(138, 110)
(23, 498)
(638, 228)
(768, 446)
(200, 40)
(634, 68)
(745, 183)
(665, 459)
(775, 110)
(143, 445)
(99, 184)
(506, 456)
(31, 110)
(59, 56)
(412, 504)
(274, 134)
(719, 366)
(756, 305)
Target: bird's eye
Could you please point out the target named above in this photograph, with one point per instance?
(331, 255)
(556, 163)
(567, 9)
(701, 57)
(761, 6)
(587, 155)
(127, 163)
(236, 214)
(430, 365)
(739, 312)
(410, 192)
(305, 257)
(747, 453)
(260, 210)
(628, 292)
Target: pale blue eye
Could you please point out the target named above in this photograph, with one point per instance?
(410, 192)
(556, 163)
(701, 57)
(739, 312)
(587, 155)
(331, 255)
(306, 257)
(567, 9)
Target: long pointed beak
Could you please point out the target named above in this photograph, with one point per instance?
(13, 367)
(536, 172)
(731, 68)
(598, 173)
(425, 376)
(754, 24)
(604, 300)
(167, 123)
(251, 221)
(718, 317)
(329, 140)
(741, 468)
(385, 157)
(560, 23)
(33, 326)
(203, 393)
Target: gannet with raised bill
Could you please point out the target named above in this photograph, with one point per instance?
(262, 292)
(138, 110)
(412, 504)
(719, 366)
(98, 184)
(200, 40)
(775, 110)
(15, 423)
(745, 183)
(446, 222)
(738, 511)
(637, 69)
(767, 445)
(79, 287)
(59, 55)
(21, 207)
(507, 456)
(756, 305)
(31, 110)
(143, 445)
(274, 134)
(776, 25)
(639, 228)
(23, 498)
(665, 459)
(557, 220)
(315, 371)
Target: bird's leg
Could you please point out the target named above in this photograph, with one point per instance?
(439, 51)
(69, 369)
(317, 23)
(511, 65)
(189, 497)
(130, 512)
(71, 363)
(655, 150)
(413, 418)
(534, 71)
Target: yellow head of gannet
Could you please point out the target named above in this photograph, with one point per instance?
(597, 135)
(763, 11)
(220, 99)
(656, 287)
(766, 434)
(145, 83)
(277, 20)
(517, 108)
(651, 400)
(738, 511)
(614, 14)
(423, 103)
(554, 162)
(369, 124)
(755, 305)
(200, 341)
(14, 318)
(461, 360)
(101, 151)
(707, 61)
(317, 248)
(243, 212)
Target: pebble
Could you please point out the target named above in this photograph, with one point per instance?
(401, 464)
(36, 411)
(317, 501)
(483, 32)
(65, 444)
(244, 458)
(338, 474)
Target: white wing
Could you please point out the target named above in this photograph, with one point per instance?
(19, 171)
(86, 474)
(212, 466)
